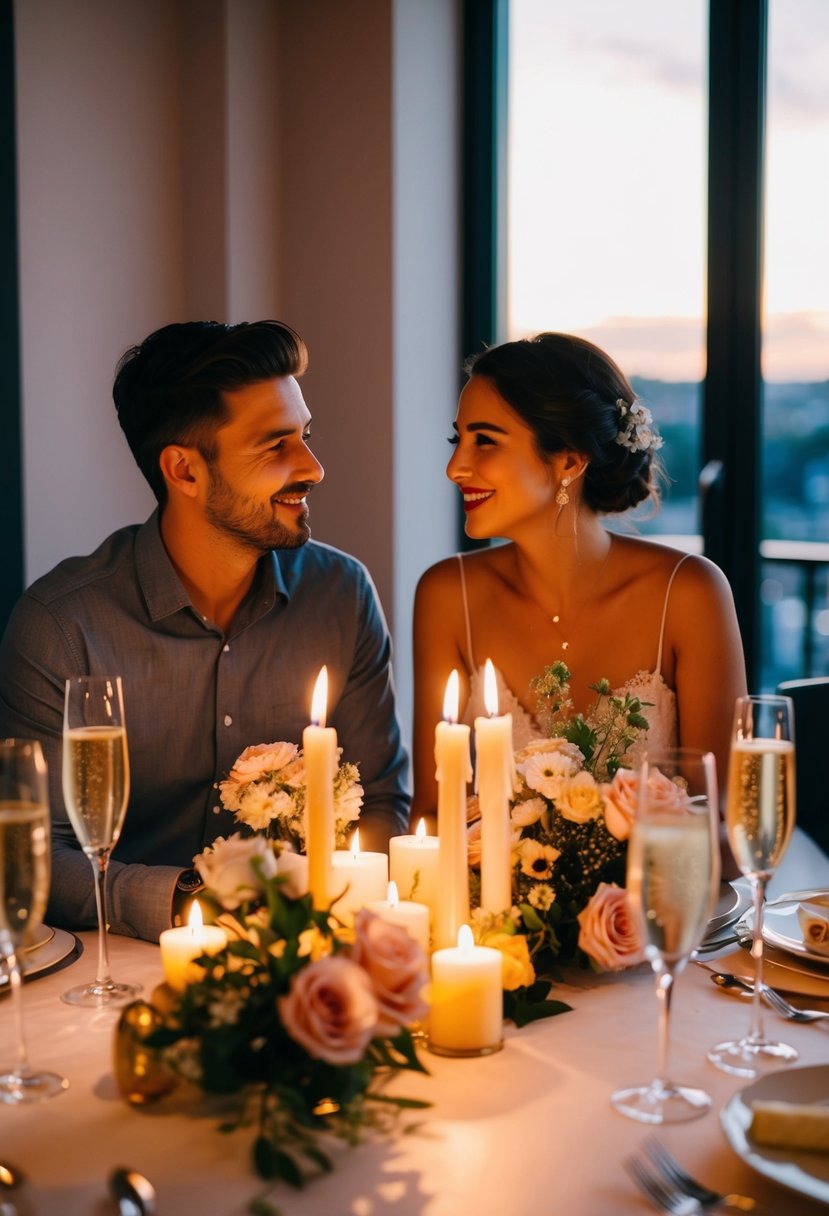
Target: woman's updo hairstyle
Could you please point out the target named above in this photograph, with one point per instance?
(566, 389)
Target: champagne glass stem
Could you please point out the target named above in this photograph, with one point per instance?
(16, 986)
(758, 888)
(664, 992)
(100, 863)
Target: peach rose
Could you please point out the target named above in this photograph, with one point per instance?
(516, 968)
(262, 758)
(397, 967)
(473, 844)
(330, 1010)
(608, 930)
(226, 868)
(620, 798)
(293, 867)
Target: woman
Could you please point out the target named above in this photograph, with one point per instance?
(549, 439)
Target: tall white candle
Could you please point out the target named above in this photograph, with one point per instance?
(410, 915)
(319, 743)
(413, 865)
(454, 772)
(359, 878)
(466, 1002)
(495, 781)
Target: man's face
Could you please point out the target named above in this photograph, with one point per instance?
(263, 467)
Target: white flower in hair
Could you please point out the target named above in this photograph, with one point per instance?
(636, 429)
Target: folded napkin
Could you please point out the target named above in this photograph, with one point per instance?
(796, 1125)
(813, 915)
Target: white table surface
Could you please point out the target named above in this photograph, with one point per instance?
(527, 1132)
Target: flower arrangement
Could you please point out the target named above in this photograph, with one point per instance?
(300, 1023)
(571, 817)
(266, 792)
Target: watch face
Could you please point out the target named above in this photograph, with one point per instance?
(189, 881)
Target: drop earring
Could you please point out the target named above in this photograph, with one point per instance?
(562, 497)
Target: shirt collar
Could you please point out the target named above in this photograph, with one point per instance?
(163, 589)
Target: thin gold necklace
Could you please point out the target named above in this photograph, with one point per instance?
(556, 617)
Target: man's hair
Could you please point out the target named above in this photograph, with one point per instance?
(170, 388)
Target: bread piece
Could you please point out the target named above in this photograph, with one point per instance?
(797, 1125)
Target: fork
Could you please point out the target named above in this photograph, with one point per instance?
(673, 1190)
(724, 979)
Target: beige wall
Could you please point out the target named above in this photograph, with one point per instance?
(239, 159)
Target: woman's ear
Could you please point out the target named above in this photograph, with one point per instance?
(570, 465)
(181, 468)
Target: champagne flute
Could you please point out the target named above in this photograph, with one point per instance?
(673, 878)
(759, 817)
(25, 865)
(96, 783)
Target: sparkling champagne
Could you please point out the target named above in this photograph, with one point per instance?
(760, 803)
(671, 864)
(24, 869)
(96, 784)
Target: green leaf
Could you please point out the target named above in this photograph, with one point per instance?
(403, 1103)
(319, 1158)
(271, 1162)
(531, 919)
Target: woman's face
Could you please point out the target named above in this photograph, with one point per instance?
(496, 464)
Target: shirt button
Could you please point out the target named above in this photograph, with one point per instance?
(226, 648)
(228, 720)
(216, 810)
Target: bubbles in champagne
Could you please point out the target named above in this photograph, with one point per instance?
(95, 783)
(24, 870)
(760, 804)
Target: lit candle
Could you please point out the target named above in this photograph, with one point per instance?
(412, 916)
(495, 781)
(180, 946)
(466, 1002)
(454, 771)
(367, 876)
(413, 865)
(319, 744)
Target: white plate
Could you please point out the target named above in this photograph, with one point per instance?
(59, 947)
(781, 928)
(806, 1173)
(733, 903)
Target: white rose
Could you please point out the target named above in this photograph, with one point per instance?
(525, 813)
(579, 799)
(227, 870)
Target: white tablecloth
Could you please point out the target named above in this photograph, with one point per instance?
(527, 1132)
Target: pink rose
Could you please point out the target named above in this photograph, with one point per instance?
(293, 867)
(396, 965)
(330, 1010)
(608, 931)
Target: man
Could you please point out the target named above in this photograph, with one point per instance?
(217, 613)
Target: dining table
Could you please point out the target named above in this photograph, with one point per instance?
(526, 1131)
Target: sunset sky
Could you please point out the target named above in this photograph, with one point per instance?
(607, 181)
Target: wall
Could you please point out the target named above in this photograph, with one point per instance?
(239, 159)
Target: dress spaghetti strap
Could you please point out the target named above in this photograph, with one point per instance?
(665, 613)
(471, 657)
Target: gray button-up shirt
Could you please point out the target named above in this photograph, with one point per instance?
(194, 698)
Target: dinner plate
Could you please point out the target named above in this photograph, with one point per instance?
(781, 927)
(805, 1173)
(41, 936)
(48, 955)
(734, 901)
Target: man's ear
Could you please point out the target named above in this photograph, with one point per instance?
(182, 469)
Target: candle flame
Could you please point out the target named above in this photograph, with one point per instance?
(196, 919)
(420, 833)
(465, 939)
(451, 697)
(319, 701)
(392, 895)
(355, 844)
(490, 689)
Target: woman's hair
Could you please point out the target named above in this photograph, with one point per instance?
(568, 391)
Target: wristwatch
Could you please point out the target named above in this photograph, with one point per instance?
(187, 885)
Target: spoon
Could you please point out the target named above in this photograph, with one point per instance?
(134, 1193)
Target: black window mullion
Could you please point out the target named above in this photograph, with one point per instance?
(733, 391)
(11, 491)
